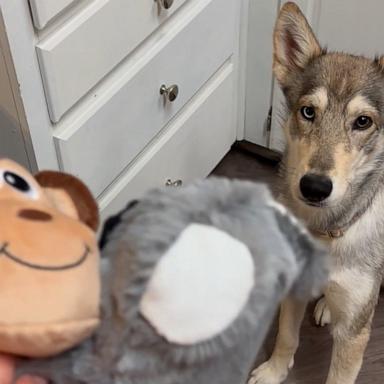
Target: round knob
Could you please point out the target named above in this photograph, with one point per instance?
(177, 183)
(166, 4)
(170, 93)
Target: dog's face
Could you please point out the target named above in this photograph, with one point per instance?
(335, 105)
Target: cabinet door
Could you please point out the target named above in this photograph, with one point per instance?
(44, 11)
(262, 15)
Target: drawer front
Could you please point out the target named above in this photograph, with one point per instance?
(43, 11)
(86, 48)
(136, 113)
(190, 147)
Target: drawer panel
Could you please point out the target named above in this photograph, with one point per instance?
(86, 48)
(189, 148)
(127, 121)
(44, 11)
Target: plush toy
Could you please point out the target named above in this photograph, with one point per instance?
(191, 280)
(49, 262)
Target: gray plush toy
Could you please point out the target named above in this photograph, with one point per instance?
(192, 278)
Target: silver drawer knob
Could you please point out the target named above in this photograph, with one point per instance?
(170, 93)
(166, 4)
(177, 183)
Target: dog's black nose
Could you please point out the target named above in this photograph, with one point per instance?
(315, 188)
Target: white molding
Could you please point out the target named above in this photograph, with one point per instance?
(242, 68)
(22, 40)
(26, 148)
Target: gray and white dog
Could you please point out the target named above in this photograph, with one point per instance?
(192, 279)
(334, 173)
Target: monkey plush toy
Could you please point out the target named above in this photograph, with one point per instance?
(49, 262)
(190, 280)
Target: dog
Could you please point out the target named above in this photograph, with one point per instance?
(334, 178)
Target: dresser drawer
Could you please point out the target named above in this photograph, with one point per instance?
(98, 145)
(189, 148)
(88, 46)
(43, 11)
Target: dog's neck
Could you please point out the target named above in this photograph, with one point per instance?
(332, 224)
(335, 233)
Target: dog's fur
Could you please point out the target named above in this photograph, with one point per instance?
(340, 87)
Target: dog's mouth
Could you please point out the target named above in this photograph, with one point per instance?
(5, 252)
(314, 204)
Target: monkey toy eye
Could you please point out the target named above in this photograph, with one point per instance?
(18, 183)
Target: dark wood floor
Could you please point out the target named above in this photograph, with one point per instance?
(313, 357)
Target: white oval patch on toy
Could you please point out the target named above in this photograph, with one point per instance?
(200, 286)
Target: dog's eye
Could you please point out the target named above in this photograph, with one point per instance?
(308, 113)
(362, 122)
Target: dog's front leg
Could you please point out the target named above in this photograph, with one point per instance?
(275, 370)
(351, 302)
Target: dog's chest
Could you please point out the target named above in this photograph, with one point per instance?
(361, 245)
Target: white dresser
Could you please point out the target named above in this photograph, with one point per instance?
(125, 94)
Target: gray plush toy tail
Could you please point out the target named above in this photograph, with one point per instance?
(132, 347)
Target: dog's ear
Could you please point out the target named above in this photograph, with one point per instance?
(379, 61)
(294, 42)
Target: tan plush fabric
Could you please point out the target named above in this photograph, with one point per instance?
(49, 265)
(43, 340)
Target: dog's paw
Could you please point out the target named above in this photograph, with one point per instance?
(268, 373)
(322, 314)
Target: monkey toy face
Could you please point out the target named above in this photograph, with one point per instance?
(49, 262)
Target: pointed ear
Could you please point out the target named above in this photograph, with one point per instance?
(294, 42)
(70, 196)
(379, 61)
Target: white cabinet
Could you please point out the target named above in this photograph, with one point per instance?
(134, 112)
(90, 74)
(90, 44)
(188, 147)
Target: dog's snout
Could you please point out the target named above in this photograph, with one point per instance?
(315, 188)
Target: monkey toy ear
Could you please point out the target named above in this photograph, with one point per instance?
(70, 196)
